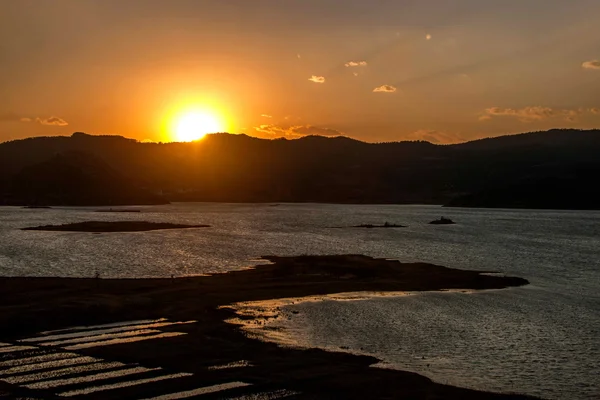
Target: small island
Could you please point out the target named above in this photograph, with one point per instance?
(117, 210)
(385, 225)
(112, 226)
(442, 221)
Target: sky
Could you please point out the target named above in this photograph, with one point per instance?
(374, 70)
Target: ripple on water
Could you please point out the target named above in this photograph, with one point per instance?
(540, 339)
(489, 340)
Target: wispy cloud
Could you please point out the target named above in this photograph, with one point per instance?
(436, 137)
(526, 114)
(572, 115)
(266, 116)
(294, 131)
(593, 64)
(271, 129)
(51, 121)
(356, 64)
(536, 113)
(385, 89)
(315, 130)
(56, 121)
(317, 79)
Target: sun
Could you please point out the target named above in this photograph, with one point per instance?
(194, 125)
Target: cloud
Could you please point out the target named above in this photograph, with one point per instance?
(428, 37)
(356, 64)
(266, 116)
(571, 115)
(436, 137)
(56, 121)
(355, 73)
(595, 111)
(273, 131)
(385, 89)
(317, 79)
(526, 114)
(315, 130)
(51, 121)
(593, 64)
(537, 113)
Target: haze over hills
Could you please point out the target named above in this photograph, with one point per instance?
(553, 169)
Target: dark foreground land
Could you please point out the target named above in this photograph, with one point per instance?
(32, 305)
(112, 226)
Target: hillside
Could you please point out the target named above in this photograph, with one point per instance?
(74, 179)
(239, 168)
(543, 187)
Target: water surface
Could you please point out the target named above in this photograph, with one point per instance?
(541, 339)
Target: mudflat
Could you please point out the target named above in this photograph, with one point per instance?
(32, 305)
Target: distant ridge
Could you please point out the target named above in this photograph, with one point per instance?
(552, 137)
(492, 172)
(76, 179)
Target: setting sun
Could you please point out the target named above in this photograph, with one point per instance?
(194, 125)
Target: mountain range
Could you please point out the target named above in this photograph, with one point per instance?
(555, 169)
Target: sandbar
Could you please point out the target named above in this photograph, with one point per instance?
(112, 226)
(31, 305)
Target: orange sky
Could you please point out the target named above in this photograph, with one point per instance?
(372, 70)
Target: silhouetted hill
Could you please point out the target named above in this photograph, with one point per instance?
(546, 186)
(75, 178)
(240, 168)
(552, 138)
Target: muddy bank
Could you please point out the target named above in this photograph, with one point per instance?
(31, 305)
(112, 226)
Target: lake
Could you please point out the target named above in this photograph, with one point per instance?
(541, 339)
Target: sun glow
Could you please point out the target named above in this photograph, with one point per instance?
(194, 125)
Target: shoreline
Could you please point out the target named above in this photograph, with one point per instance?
(32, 305)
(275, 321)
(254, 317)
